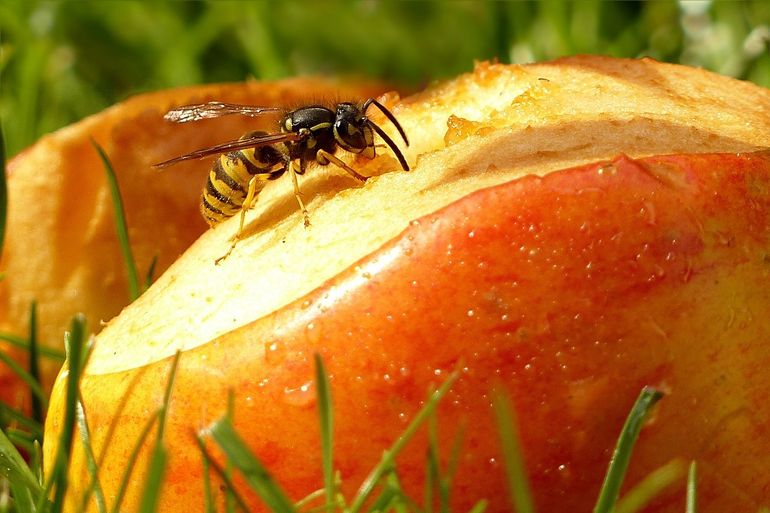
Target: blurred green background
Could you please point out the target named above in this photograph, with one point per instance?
(63, 60)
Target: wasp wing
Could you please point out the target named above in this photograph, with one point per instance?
(209, 110)
(254, 141)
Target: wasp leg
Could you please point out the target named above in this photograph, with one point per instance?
(298, 194)
(337, 162)
(251, 198)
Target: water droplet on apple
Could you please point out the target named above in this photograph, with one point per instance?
(607, 169)
(302, 395)
(274, 353)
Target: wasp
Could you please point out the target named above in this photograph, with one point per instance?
(307, 134)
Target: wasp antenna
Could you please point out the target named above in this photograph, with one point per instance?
(388, 114)
(390, 143)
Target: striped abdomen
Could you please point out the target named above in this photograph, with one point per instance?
(229, 178)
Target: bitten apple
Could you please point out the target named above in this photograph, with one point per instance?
(571, 232)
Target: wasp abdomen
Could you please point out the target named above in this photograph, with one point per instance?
(229, 179)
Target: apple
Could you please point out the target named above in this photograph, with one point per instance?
(570, 232)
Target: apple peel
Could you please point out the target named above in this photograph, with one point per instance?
(572, 290)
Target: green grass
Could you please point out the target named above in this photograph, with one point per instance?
(521, 497)
(121, 225)
(3, 190)
(692, 491)
(153, 477)
(616, 471)
(326, 420)
(60, 61)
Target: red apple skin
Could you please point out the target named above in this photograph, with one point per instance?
(571, 291)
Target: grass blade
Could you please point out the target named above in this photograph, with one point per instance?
(454, 458)
(38, 412)
(303, 503)
(120, 223)
(616, 471)
(384, 501)
(24, 344)
(692, 490)
(393, 498)
(93, 469)
(26, 377)
(131, 462)
(10, 416)
(237, 499)
(75, 360)
(432, 471)
(14, 468)
(167, 397)
(257, 476)
(208, 494)
(150, 273)
(117, 416)
(479, 507)
(153, 480)
(326, 417)
(5, 496)
(374, 477)
(650, 487)
(23, 502)
(435, 479)
(36, 461)
(21, 439)
(518, 485)
(3, 190)
(230, 501)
